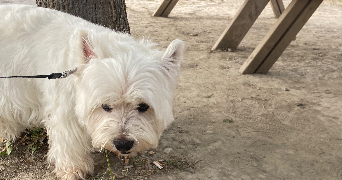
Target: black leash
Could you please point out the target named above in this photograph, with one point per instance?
(51, 76)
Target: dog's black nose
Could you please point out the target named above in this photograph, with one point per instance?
(123, 145)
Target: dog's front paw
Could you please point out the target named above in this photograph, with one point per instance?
(71, 174)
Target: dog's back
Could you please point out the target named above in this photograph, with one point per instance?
(32, 41)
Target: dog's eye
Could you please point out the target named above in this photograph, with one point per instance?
(142, 107)
(106, 108)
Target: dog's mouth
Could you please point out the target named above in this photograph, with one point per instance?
(125, 152)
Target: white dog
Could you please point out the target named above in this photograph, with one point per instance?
(119, 98)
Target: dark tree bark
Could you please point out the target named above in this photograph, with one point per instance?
(108, 13)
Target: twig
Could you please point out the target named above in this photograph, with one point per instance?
(109, 169)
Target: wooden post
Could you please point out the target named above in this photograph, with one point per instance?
(277, 7)
(241, 23)
(280, 36)
(165, 8)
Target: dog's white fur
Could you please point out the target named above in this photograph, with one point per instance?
(112, 69)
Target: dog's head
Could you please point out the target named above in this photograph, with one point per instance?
(125, 91)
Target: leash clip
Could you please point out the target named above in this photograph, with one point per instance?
(66, 73)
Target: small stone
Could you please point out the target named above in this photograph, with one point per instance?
(197, 141)
(167, 150)
(151, 152)
(209, 95)
(299, 104)
(286, 89)
(228, 120)
(126, 161)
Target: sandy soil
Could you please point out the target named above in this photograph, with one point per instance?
(283, 125)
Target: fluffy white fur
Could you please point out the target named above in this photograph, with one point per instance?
(112, 69)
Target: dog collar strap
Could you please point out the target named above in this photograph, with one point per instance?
(51, 76)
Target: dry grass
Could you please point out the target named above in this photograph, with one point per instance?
(139, 167)
(29, 142)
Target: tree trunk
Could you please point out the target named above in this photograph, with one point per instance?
(108, 13)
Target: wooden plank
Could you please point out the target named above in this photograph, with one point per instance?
(289, 35)
(165, 8)
(169, 8)
(277, 7)
(162, 8)
(268, 43)
(240, 25)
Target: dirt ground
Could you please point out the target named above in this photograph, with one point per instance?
(283, 125)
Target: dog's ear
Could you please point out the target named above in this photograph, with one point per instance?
(88, 50)
(173, 55)
(84, 50)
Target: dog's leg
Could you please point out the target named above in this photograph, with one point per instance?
(19, 106)
(69, 146)
(10, 125)
(10, 129)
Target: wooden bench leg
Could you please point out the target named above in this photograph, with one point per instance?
(277, 7)
(165, 8)
(241, 23)
(280, 36)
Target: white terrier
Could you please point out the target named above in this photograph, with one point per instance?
(119, 98)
